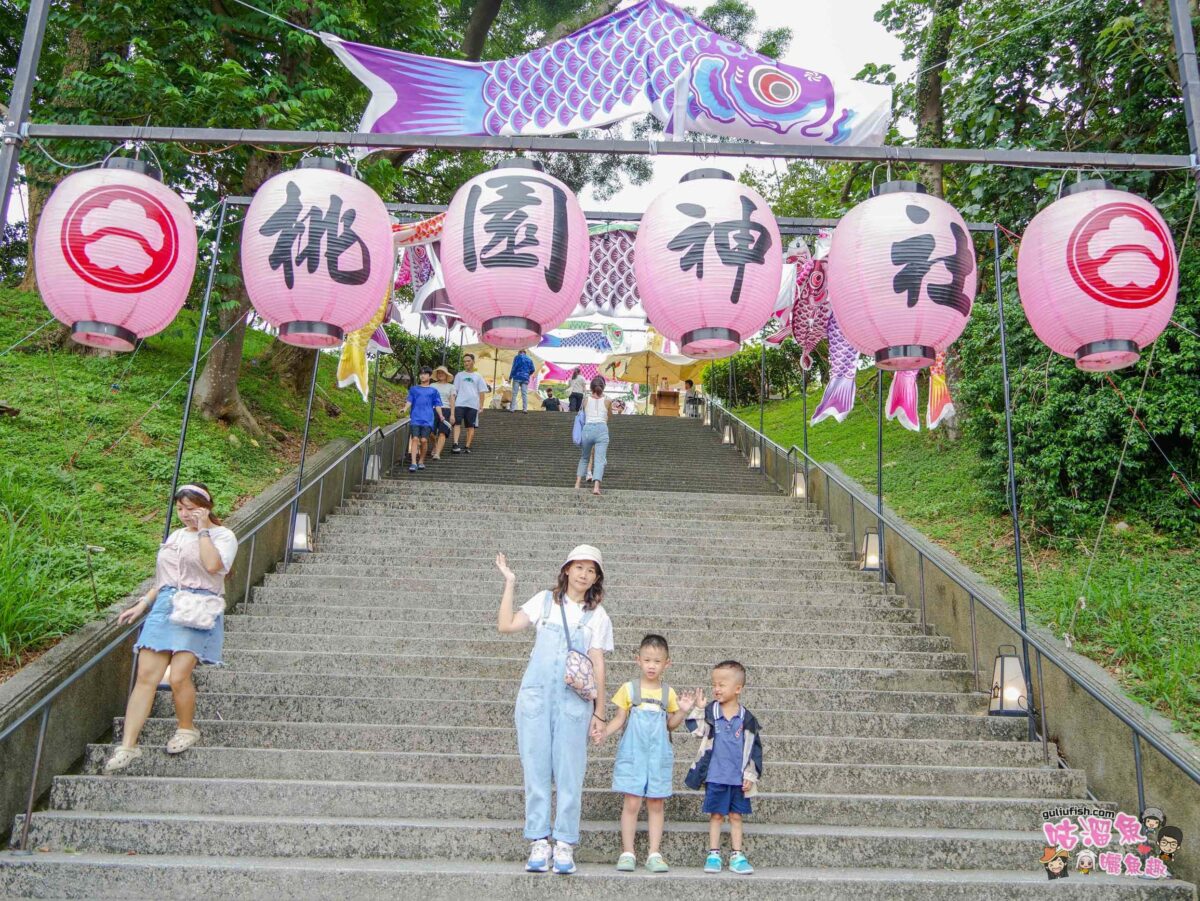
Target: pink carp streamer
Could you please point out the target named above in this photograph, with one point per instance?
(902, 399)
(940, 404)
(838, 399)
(811, 312)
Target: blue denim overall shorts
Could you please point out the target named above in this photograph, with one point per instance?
(645, 759)
(552, 732)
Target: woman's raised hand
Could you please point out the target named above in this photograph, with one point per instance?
(502, 565)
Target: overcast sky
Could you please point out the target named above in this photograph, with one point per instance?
(834, 36)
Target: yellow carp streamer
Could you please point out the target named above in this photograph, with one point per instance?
(352, 367)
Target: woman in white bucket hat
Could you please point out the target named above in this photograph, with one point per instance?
(553, 720)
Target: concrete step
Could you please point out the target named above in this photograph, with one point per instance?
(223, 680)
(408, 489)
(205, 761)
(802, 653)
(636, 556)
(624, 572)
(820, 612)
(500, 802)
(625, 626)
(433, 740)
(431, 711)
(57, 875)
(597, 517)
(699, 591)
(831, 675)
(624, 474)
(767, 845)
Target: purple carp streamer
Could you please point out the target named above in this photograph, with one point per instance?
(650, 58)
(838, 399)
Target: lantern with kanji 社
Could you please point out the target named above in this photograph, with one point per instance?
(902, 275)
(708, 260)
(1098, 275)
(317, 253)
(115, 254)
(514, 253)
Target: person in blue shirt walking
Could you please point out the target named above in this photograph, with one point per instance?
(426, 405)
(728, 765)
(519, 375)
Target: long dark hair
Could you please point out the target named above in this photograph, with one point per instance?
(594, 595)
(196, 498)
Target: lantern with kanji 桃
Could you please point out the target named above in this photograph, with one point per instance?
(902, 275)
(708, 260)
(514, 253)
(317, 253)
(115, 254)
(1098, 275)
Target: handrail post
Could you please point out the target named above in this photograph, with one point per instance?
(291, 534)
(37, 765)
(879, 483)
(975, 647)
(1045, 729)
(921, 573)
(249, 569)
(1137, 770)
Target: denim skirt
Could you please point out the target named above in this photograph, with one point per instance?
(160, 634)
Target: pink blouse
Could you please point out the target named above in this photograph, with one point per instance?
(179, 563)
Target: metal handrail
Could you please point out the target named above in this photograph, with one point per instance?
(43, 705)
(1045, 650)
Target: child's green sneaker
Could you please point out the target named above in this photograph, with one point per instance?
(656, 864)
(713, 863)
(738, 864)
(627, 863)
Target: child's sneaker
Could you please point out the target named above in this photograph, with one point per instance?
(713, 862)
(656, 864)
(420, 466)
(626, 863)
(738, 864)
(455, 449)
(412, 468)
(539, 857)
(564, 859)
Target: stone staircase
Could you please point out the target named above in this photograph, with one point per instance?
(360, 743)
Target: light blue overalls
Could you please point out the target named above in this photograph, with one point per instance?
(552, 731)
(645, 759)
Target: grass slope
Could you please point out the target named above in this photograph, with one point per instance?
(84, 463)
(1142, 619)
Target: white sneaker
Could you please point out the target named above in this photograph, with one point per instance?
(564, 859)
(539, 857)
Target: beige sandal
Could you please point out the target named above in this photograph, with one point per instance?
(121, 759)
(182, 740)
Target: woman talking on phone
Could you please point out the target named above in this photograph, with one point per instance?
(186, 623)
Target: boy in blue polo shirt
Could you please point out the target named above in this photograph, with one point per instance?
(729, 764)
(426, 404)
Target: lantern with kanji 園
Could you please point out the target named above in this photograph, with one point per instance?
(115, 254)
(902, 275)
(514, 253)
(708, 260)
(316, 253)
(1098, 275)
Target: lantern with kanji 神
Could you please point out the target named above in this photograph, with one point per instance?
(317, 253)
(902, 275)
(115, 253)
(708, 260)
(1098, 275)
(514, 253)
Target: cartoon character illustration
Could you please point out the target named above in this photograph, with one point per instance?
(1152, 819)
(650, 58)
(1085, 862)
(1055, 862)
(1169, 840)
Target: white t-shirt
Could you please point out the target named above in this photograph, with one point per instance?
(598, 633)
(578, 385)
(444, 389)
(467, 388)
(595, 410)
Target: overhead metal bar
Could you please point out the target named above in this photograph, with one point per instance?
(1040, 159)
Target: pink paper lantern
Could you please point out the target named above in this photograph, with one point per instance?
(115, 253)
(708, 259)
(902, 275)
(514, 253)
(1098, 275)
(317, 253)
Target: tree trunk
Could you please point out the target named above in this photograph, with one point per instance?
(482, 17)
(590, 12)
(930, 116)
(292, 364)
(38, 190)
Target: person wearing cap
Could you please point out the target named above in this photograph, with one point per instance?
(441, 384)
(193, 559)
(426, 405)
(553, 721)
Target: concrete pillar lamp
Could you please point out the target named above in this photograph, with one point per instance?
(1008, 684)
(868, 558)
(799, 485)
(727, 434)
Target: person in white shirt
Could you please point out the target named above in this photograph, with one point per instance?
(576, 388)
(595, 435)
(468, 386)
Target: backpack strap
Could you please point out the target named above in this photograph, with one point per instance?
(546, 606)
(635, 694)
